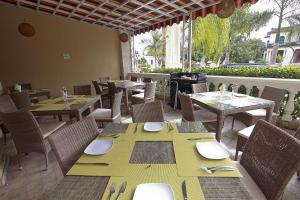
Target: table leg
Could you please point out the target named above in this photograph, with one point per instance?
(269, 113)
(126, 101)
(220, 124)
(59, 118)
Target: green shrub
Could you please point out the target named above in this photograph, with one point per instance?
(291, 72)
(283, 104)
(296, 112)
(254, 91)
(212, 87)
(242, 89)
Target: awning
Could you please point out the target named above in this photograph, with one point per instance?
(136, 16)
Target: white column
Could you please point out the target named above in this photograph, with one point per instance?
(126, 54)
(190, 43)
(182, 41)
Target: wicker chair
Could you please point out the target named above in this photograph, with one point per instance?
(28, 135)
(104, 79)
(199, 87)
(109, 115)
(6, 106)
(147, 96)
(189, 114)
(82, 90)
(69, 142)
(26, 86)
(270, 93)
(21, 99)
(148, 112)
(134, 78)
(271, 157)
(147, 80)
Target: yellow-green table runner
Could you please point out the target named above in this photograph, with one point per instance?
(157, 173)
(189, 161)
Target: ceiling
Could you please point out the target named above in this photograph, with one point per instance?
(136, 16)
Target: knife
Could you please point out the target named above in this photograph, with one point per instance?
(112, 190)
(92, 163)
(184, 192)
(200, 138)
(122, 189)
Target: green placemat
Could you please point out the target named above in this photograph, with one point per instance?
(189, 161)
(118, 158)
(157, 173)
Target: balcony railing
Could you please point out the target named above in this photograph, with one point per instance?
(291, 85)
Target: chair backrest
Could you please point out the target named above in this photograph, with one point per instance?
(26, 86)
(98, 89)
(104, 79)
(147, 80)
(7, 105)
(116, 106)
(148, 112)
(149, 94)
(82, 90)
(199, 87)
(112, 90)
(186, 107)
(271, 157)
(21, 99)
(134, 78)
(274, 94)
(25, 131)
(68, 143)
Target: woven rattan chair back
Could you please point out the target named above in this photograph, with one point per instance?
(82, 90)
(69, 142)
(98, 89)
(21, 99)
(25, 131)
(147, 80)
(7, 105)
(199, 87)
(148, 112)
(274, 94)
(104, 79)
(26, 86)
(271, 157)
(134, 78)
(149, 94)
(186, 107)
(116, 107)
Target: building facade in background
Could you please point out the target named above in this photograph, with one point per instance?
(289, 46)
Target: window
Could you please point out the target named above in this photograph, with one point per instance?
(151, 61)
(281, 40)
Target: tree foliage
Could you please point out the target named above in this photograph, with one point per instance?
(210, 37)
(243, 51)
(155, 46)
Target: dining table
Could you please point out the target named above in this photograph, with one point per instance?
(34, 93)
(74, 106)
(138, 157)
(230, 103)
(126, 86)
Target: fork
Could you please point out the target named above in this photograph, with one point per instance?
(136, 127)
(112, 190)
(211, 170)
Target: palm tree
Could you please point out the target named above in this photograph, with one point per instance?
(155, 47)
(284, 10)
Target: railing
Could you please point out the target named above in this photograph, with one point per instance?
(291, 85)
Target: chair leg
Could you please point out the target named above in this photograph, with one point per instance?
(4, 137)
(236, 155)
(47, 160)
(232, 125)
(298, 174)
(19, 162)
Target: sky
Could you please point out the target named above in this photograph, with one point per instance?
(261, 5)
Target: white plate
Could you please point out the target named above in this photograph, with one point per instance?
(154, 191)
(99, 147)
(212, 150)
(153, 126)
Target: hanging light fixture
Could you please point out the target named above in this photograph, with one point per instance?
(26, 29)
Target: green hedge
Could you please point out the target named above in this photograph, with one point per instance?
(291, 72)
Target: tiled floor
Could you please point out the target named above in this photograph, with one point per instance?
(33, 180)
